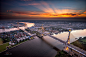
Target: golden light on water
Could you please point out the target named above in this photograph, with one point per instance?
(28, 24)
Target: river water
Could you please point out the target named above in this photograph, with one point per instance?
(74, 34)
(43, 47)
(33, 48)
(64, 36)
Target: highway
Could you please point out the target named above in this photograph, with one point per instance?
(81, 51)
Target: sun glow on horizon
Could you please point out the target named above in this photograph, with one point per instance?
(46, 9)
(59, 13)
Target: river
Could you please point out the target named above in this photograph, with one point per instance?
(44, 47)
(64, 36)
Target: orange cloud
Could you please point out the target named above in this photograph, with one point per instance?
(3, 14)
(84, 12)
(34, 4)
(15, 15)
(47, 9)
(62, 13)
(82, 15)
(51, 11)
(58, 11)
(7, 10)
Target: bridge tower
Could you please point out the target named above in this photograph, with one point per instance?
(42, 29)
(18, 25)
(25, 25)
(69, 50)
(68, 41)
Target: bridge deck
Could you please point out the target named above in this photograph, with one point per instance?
(81, 51)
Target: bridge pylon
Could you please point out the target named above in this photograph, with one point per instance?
(18, 25)
(25, 25)
(68, 41)
(42, 30)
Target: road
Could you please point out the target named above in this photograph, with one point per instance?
(81, 51)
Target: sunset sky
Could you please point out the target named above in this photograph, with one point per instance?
(27, 9)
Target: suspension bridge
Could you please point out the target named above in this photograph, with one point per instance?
(68, 46)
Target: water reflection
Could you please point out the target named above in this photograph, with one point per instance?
(28, 24)
(74, 34)
(23, 27)
(64, 36)
(54, 42)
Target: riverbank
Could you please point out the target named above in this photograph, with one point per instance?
(62, 54)
(81, 43)
(3, 46)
